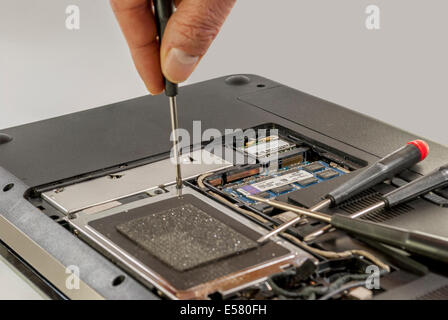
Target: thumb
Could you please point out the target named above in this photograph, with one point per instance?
(188, 35)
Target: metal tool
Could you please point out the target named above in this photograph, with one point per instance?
(412, 241)
(435, 180)
(385, 168)
(163, 9)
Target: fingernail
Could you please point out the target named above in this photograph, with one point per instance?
(179, 65)
(149, 90)
(152, 91)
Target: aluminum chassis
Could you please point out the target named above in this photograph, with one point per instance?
(51, 249)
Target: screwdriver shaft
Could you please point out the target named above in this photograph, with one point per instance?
(163, 9)
(320, 206)
(358, 214)
(176, 151)
(289, 207)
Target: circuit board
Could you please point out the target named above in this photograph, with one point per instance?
(271, 184)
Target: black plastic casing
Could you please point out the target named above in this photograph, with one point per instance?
(99, 141)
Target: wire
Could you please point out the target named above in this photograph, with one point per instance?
(342, 289)
(329, 291)
(338, 255)
(200, 182)
(337, 286)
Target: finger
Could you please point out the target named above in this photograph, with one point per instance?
(138, 26)
(189, 34)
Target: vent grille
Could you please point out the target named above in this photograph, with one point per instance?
(438, 294)
(368, 198)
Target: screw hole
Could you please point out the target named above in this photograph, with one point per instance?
(158, 191)
(54, 217)
(118, 280)
(8, 187)
(261, 85)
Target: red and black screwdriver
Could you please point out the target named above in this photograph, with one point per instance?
(435, 180)
(385, 168)
(421, 243)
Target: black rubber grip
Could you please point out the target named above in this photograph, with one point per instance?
(432, 181)
(381, 170)
(163, 9)
(412, 241)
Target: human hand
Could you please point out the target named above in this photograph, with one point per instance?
(188, 35)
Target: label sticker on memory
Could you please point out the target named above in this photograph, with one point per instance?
(266, 148)
(275, 182)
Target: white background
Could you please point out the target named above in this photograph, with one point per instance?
(397, 74)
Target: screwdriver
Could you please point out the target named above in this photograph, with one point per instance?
(163, 9)
(424, 150)
(383, 169)
(421, 243)
(434, 180)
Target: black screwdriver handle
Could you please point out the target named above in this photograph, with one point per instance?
(163, 9)
(412, 241)
(381, 170)
(432, 181)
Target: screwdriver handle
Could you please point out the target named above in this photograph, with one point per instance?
(412, 241)
(386, 168)
(163, 9)
(432, 181)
